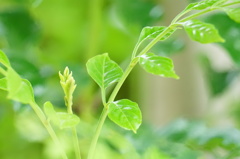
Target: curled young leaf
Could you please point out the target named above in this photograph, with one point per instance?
(202, 32)
(158, 65)
(103, 70)
(233, 13)
(126, 114)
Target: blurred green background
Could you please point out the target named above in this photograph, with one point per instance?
(196, 117)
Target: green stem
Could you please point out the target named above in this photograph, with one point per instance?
(154, 41)
(179, 16)
(122, 79)
(49, 128)
(97, 133)
(76, 143)
(103, 96)
(74, 131)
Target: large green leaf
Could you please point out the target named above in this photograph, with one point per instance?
(158, 65)
(61, 119)
(126, 114)
(3, 84)
(103, 70)
(4, 59)
(19, 89)
(153, 32)
(202, 32)
(14, 82)
(24, 93)
(204, 4)
(234, 14)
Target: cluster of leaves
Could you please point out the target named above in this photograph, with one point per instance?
(198, 137)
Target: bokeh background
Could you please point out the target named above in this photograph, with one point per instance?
(196, 116)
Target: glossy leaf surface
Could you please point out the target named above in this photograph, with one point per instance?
(204, 4)
(103, 70)
(158, 65)
(61, 119)
(4, 59)
(126, 114)
(153, 32)
(202, 32)
(234, 14)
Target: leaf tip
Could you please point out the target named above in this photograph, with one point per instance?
(176, 77)
(134, 131)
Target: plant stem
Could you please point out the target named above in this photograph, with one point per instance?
(97, 133)
(74, 131)
(49, 128)
(103, 96)
(76, 143)
(154, 41)
(122, 79)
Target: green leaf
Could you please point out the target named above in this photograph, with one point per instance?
(233, 13)
(202, 32)
(61, 119)
(158, 65)
(66, 120)
(49, 110)
(204, 4)
(14, 81)
(24, 94)
(103, 70)
(3, 59)
(126, 114)
(18, 89)
(3, 84)
(153, 32)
